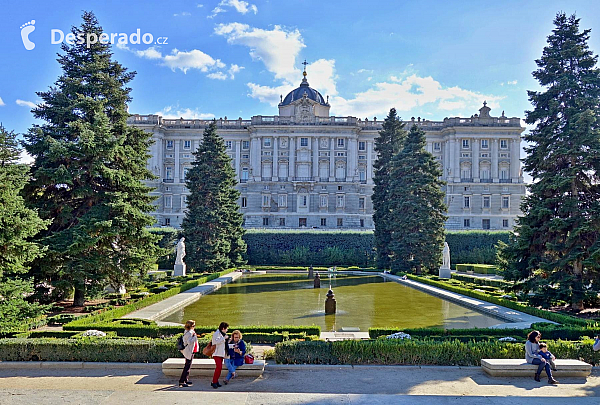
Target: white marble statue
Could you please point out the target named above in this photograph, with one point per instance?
(180, 251)
(446, 256)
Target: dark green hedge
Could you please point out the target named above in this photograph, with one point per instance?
(419, 352)
(355, 248)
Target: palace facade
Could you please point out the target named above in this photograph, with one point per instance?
(304, 168)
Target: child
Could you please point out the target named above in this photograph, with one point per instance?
(549, 357)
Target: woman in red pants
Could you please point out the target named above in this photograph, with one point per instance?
(219, 339)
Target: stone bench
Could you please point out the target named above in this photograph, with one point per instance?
(520, 368)
(206, 367)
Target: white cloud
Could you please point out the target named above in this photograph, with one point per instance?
(193, 59)
(408, 94)
(1, 102)
(199, 5)
(277, 49)
(217, 75)
(240, 6)
(509, 83)
(268, 94)
(182, 14)
(24, 103)
(364, 71)
(233, 70)
(25, 158)
(173, 112)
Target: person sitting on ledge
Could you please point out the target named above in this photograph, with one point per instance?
(532, 356)
(549, 357)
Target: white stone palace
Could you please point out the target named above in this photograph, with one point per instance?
(306, 169)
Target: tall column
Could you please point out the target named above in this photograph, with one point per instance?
(369, 162)
(238, 157)
(177, 169)
(292, 160)
(447, 159)
(332, 159)
(275, 174)
(352, 158)
(451, 159)
(514, 159)
(475, 161)
(457, 148)
(430, 147)
(315, 157)
(495, 160)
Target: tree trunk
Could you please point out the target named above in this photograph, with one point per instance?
(79, 298)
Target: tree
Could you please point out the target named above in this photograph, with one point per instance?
(387, 145)
(212, 225)
(88, 172)
(17, 225)
(555, 250)
(417, 209)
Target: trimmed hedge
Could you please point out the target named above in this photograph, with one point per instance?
(102, 316)
(477, 268)
(505, 285)
(560, 318)
(549, 331)
(355, 248)
(419, 352)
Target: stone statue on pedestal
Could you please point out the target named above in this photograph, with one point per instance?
(179, 268)
(445, 269)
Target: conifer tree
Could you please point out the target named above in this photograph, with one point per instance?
(212, 226)
(387, 145)
(417, 209)
(88, 172)
(17, 225)
(556, 247)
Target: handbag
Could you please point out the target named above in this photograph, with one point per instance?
(249, 359)
(209, 349)
(180, 344)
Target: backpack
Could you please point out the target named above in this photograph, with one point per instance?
(180, 344)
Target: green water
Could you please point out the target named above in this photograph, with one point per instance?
(362, 301)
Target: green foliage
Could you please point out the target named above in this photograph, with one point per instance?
(167, 241)
(212, 224)
(387, 145)
(474, 246)
(419, 352)
(556, 248)
(88, 173)
(482, 281)
(417, 212)
(328, 248)
(477, 268)
(17, 226)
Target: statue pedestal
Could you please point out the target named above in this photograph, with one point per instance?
(179, 270)
(445, 272)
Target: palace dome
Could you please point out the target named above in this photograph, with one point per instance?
(299, 92)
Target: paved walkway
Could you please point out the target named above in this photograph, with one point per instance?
(282, 384)
(181, 300)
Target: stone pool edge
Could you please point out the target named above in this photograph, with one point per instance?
(169, 305)
(515, 319)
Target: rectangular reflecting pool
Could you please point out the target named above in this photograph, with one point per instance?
(362, 302)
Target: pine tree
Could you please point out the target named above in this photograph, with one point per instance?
(17, 225)
(88, 172)
(556, 248)
(387, 145)
(417, 209)
(212, 226)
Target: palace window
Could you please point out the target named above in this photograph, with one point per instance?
(187, 144)
(168, 201)
(362, 157)
(486, 201)
(169, 144)
(167, 221)
(340, 142)
(323, 200)
(228, 144)
(283, 200)
(503, 144)
(303, 200)
(302, 222)
(466, 223)
(362, 223)
(340, 201)
(267, 142)
(485, 223)
(266, 200)
(245, 156)
(362, 175)
(437, 146)
(281, 221)
(244, 202)
(465, 144)
(485, 144)
(169, 173)
(186, 170)
(244, 174)
(245, 144)
(361, 203)
(505, 202)
(265, 221)
(467, 202)
(362, 145)
(323, 221)
(340, 222)
(505, 223)
(303, 141)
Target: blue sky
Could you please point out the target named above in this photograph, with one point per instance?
(233, 58)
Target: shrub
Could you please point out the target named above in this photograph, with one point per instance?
(481, 281)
